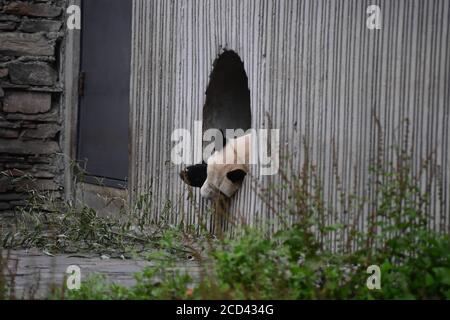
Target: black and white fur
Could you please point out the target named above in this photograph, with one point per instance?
(224, 171)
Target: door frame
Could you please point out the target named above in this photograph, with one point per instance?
(71, 104)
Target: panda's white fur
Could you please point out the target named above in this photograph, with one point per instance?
(235, 155)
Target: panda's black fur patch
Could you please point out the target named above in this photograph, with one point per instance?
(236, 176)
(194, 175)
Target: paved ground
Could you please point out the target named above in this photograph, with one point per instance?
(34, 266)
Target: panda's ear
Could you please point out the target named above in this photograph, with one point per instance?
(236, 175)
(195, 175)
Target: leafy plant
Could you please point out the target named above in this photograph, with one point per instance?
(314, 254)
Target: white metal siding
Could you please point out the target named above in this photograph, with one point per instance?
(313, 66)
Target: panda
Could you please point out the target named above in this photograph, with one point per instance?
(224, 171)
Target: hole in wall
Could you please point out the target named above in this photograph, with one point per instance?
(227, 104)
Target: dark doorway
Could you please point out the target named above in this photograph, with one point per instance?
(227, 104)
(104, 90)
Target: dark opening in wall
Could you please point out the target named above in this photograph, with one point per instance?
(227, 104)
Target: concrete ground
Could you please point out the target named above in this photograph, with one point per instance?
(35, 271)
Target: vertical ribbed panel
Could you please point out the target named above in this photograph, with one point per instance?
(315, 69)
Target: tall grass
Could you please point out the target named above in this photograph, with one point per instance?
(314, 247)
(311, 258)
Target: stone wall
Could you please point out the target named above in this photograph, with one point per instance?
(31, 34)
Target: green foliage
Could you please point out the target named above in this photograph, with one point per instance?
(316, 255)
(65, 227)
(253, 267)
(148, 286)
(298, 262)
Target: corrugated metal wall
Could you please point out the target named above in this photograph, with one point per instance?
(315, 69)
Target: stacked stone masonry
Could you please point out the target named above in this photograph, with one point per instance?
(31, 34)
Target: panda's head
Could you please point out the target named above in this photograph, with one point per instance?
(224, 172)
(222, 178)
(215, 179)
